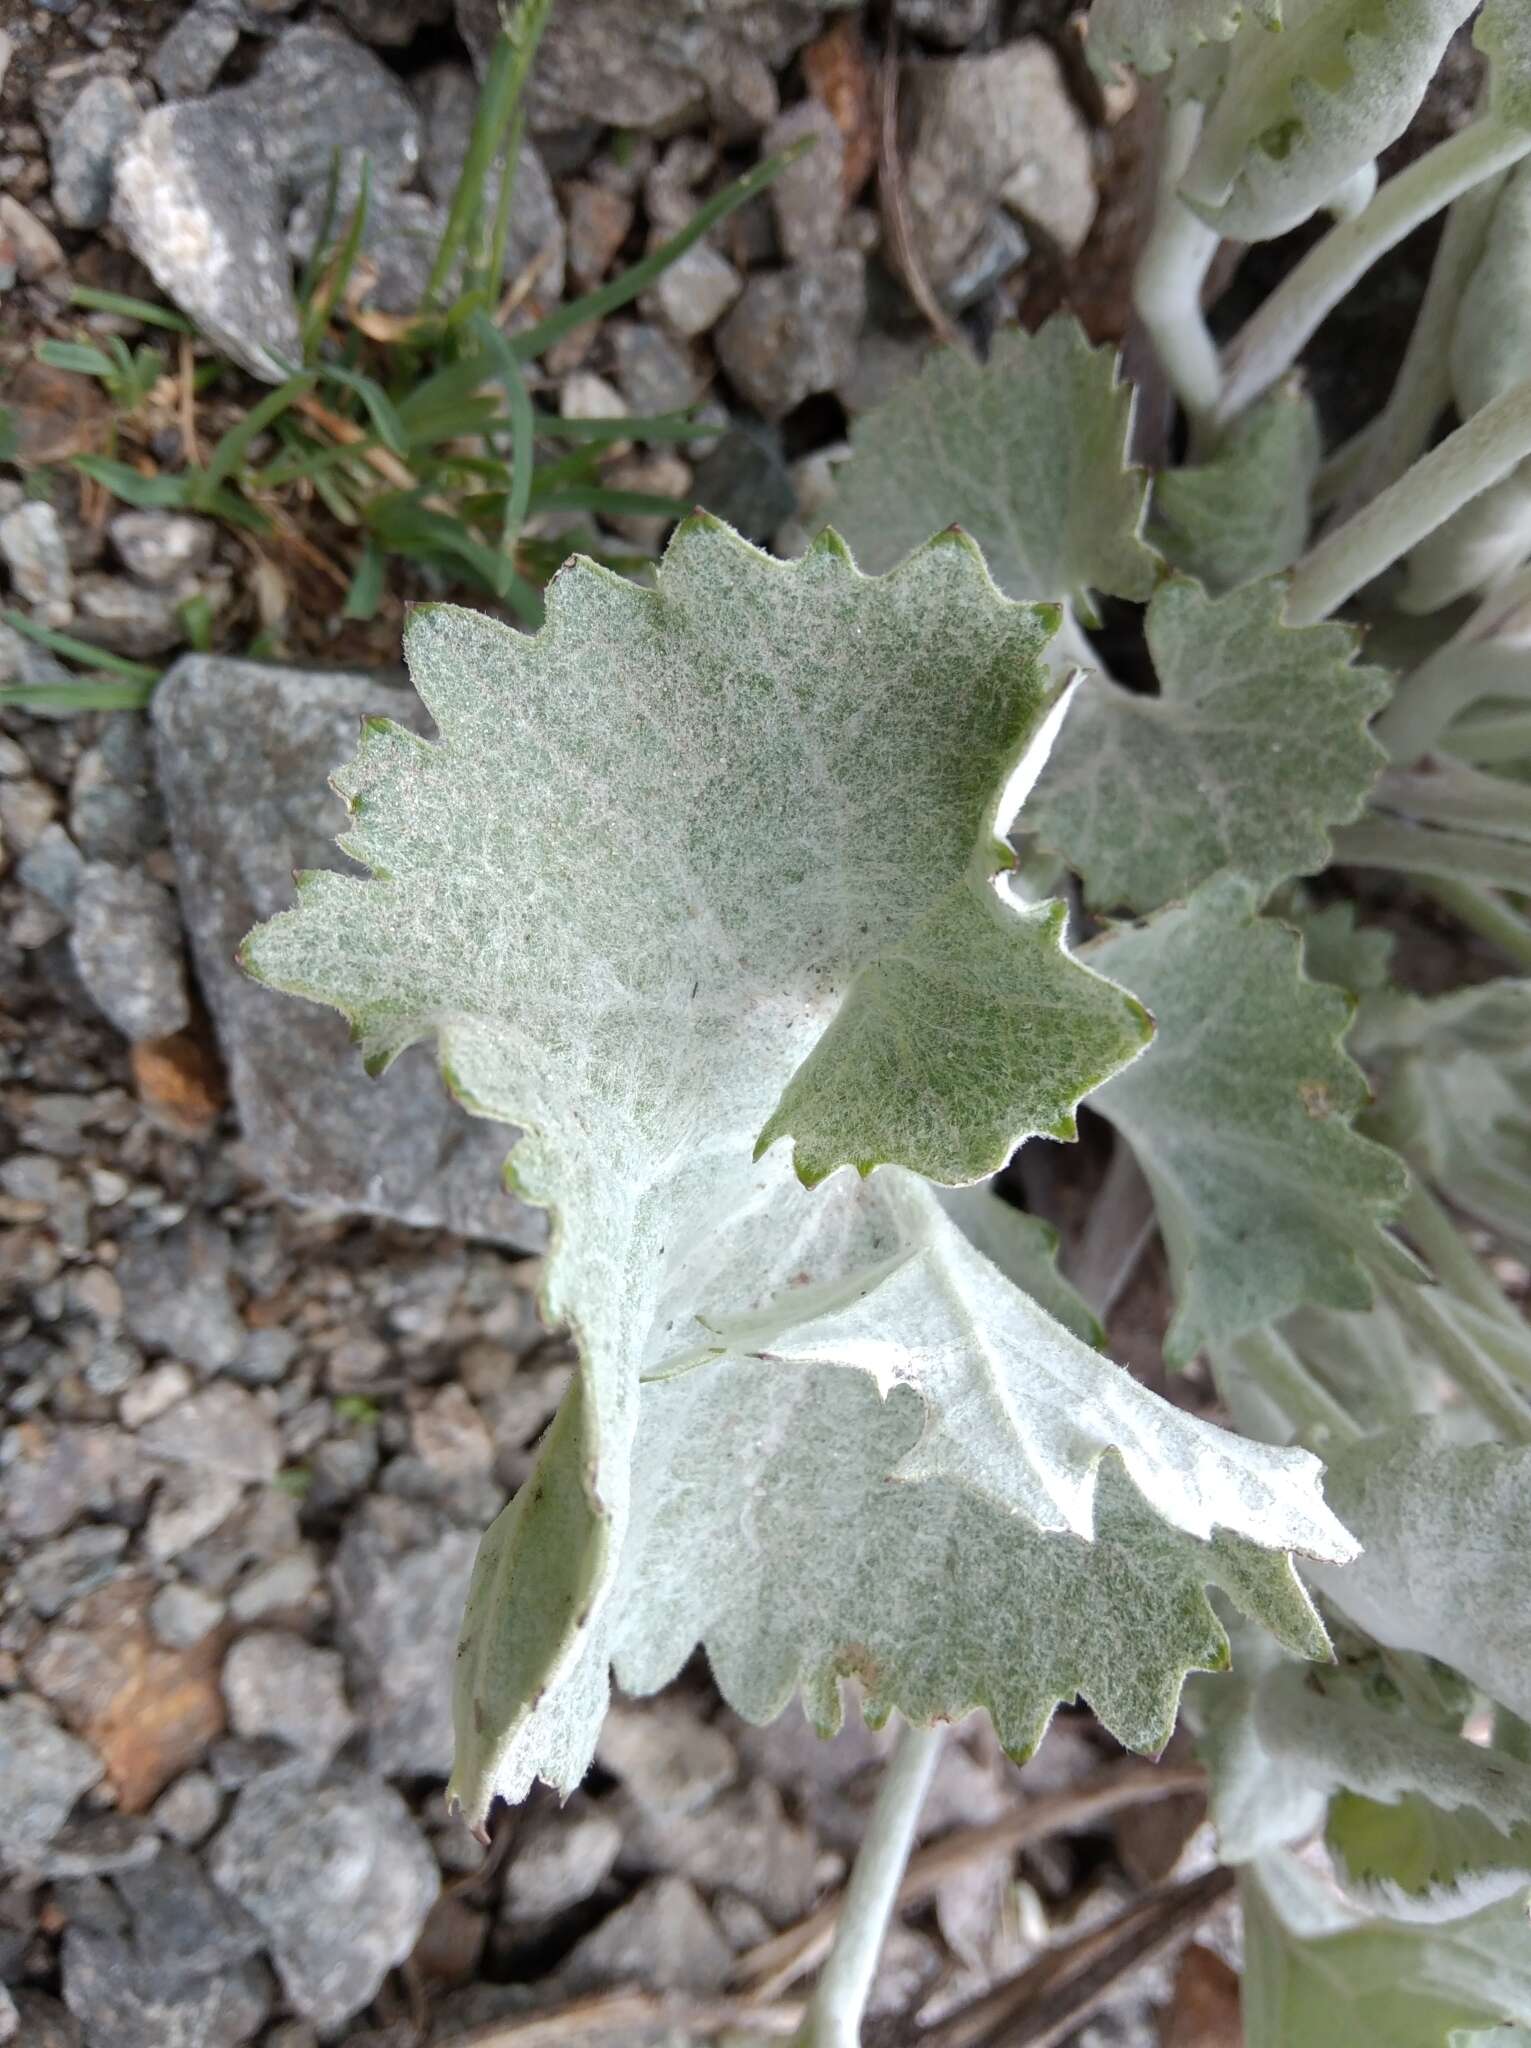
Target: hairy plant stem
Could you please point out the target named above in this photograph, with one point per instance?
(1480, 1377)
(1271, 341)
(1167, 286)
(1379, 842)
(845, 1982)
(1422, 389)
(1310, 1407)
(1455, 1264)
(1429, 700)
(1478, 455)
(1485, 913)
(1454, 794)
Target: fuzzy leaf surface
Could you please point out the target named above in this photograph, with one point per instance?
(1027, 452)
(1255, 744)
(1445, 1529)
(1301, 112)
(1503, 33)
(1245, 513)
(1025, 1249)
(1241, 1118)
(838, 1380)
(1376, 1986)
(1149, 35)
(679, 844)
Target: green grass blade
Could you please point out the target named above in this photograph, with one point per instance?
(598, 498)
(51, 698)
(608, 297)
(405, 526)
(229, 453)
(518, 401)
(379, 406)
(524, 28)
(313, 269)
(96, 301)
(366, 591)
(77, 356)
(79, 650)
(317, 316)
(123, 481)
(196, 617)
(327, 486)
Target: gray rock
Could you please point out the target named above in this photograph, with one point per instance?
(85, 144)
(951, 23)
(559, 1861)
(112, 818)
(181, 1921)
(244, 749)
(50, 1577)
(182, 1615)
(126, 946)
(36, 248)
(220, 1430)
(77, 1469)
(177, 1298)
(162, 547)
(745, 481)
(106, 1845)
(32, 542)
(1001, 125)
(655, 374)
(667, 1756)
(696, 291)
(399, 1580)
(190, 1505)
(43, 1772)
(664, 1937)
(391, 22)
(338, 1876)
(317, 91)
(598, 224)
(51, 867)
(44, 2022)
(654, 64)
(278, 1587)
(188, 1810)
(808, 197)
(198, 201)
(794, 332)
(1001, 247)
(743, 1840)
(193, 51)
(277, 1684)
(123, 2001)
(127, 617)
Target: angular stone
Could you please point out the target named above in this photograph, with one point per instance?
(192, 52)
(743, 1840)
(664, 1937)
(43, 1772)
(696, 291)
(32, 543)
(85, 145)
(127, 950)
(199, 202)
(126, 617)
(338, 1876)
(652, 64)
(559, 1861)
(317, 91)
(180, 1920)
(162, 547)
(744, 480)
(61, 1571)
(105, 1845)
(188, 1810)
(181, 1615)
(38, 252)
(808, 197)
(277, 1684)
(668, 1757)
(122, 2001)
(221, 1430)
(391, 22)
(177, 1298)
(598, 222)
(399, 1580)
(655, 373)
(794, 332)
(951, 23)
(244, 749)
(1001, 125)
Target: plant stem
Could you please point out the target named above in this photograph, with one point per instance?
(1167, 287)
(1481, 453)
(1452, 793)
(1272, 340)
(1310, 1407)
(1422, 389)
(1377, 842)
(1485, 913)
(1355, 195)
(845, 1982)
(1479, 1377)
(1457, 676)
(1452, 1259)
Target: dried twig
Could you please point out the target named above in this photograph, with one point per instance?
(1058, 1993)
(618, 2015)
(774, 1964)
(348, 434)
(895, 204)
